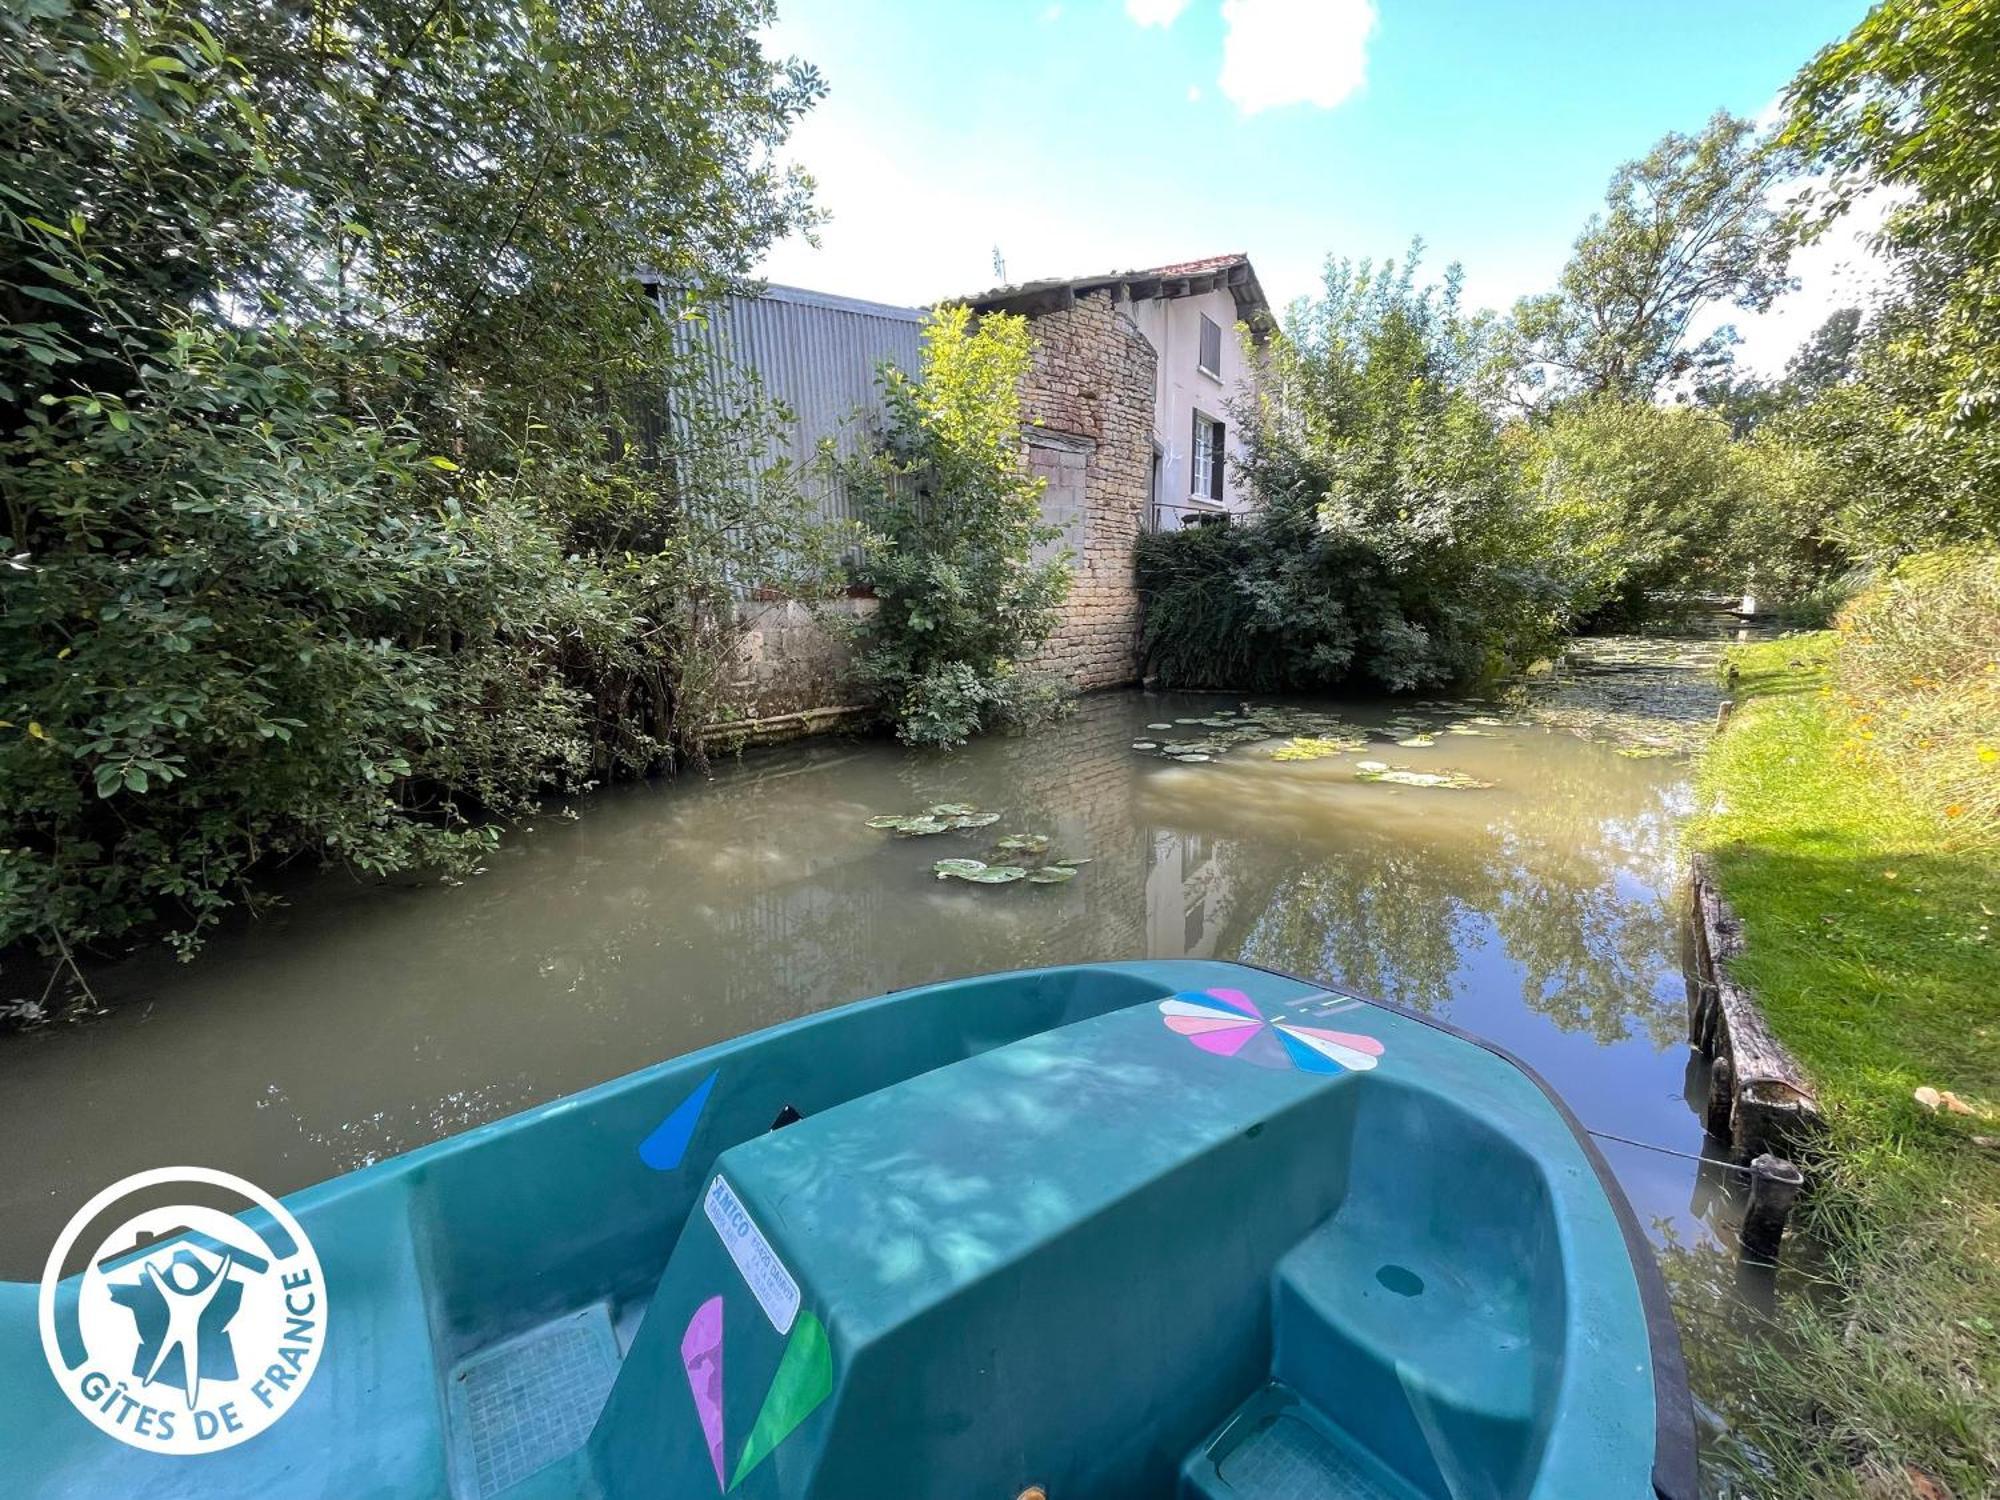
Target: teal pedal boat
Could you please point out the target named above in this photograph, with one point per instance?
(1154, 1229)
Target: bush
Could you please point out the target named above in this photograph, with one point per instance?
(335, 523)
(1387, 550)
(1637, 501)
(952, 526)
(1919, 668)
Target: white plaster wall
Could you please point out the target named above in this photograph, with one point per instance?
(1182, 388)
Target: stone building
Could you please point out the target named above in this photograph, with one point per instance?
(1130, 411)
(1128, 415)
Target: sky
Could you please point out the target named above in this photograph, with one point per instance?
(1076, 137)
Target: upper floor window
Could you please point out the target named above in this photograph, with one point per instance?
(1211, 347)
(1206, 480)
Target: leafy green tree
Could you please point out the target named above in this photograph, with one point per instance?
(1910, 101)
(1638, 502)
(1867, 472)
(953, 526)
(1826, 359)
(354, 489)
(1386, 549)
(1690, 225)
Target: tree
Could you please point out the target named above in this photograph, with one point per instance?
(953, 526)
(1387, 549)
(1690, 225)
(1637, 501)
(1910, 100)
(341, 517)
(1826, 359)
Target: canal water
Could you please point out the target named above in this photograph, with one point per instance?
(1541, 911)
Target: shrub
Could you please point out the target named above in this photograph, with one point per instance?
(334, 527)
(952, 525)
(1637, 501)
(1387, 550)
(1919, 666)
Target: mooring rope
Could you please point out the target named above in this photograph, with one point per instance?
(1626, 1140)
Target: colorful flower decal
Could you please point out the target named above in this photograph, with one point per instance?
(1229, 1024)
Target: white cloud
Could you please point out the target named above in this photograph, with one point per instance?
(1840, 269)
(1194, 93)
(1052, 15)
(1279, 52)
(1155, 12)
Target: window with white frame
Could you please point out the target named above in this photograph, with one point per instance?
(1205, 480)
(1211, 347)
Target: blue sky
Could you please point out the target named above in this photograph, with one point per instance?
(1082, 136)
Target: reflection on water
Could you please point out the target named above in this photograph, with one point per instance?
(361, 1021)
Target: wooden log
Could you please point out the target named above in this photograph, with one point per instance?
(1721, 1098)
(1771, 1103)
(1774, 1187)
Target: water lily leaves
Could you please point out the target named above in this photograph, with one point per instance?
(1317, 747)
(1145, 744)
(945, 817)
(1052, 875)
(1163, 724)
(978, 871)
(1371, 767)
(1418, 742)
(1193, 756)
(1024, 843)
(1403, 776)
(1466, 729)
(1070, 863)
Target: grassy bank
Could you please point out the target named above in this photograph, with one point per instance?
(1873, 929)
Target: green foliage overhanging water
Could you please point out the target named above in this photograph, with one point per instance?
(355, 493)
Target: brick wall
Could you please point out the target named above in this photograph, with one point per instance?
(1088, 403)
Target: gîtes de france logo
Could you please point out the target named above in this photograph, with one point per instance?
(189, 1330)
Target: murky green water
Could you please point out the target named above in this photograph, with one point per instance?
(1541, 913)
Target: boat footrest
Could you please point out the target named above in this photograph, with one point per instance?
(1277, 1447)
(519, 1405)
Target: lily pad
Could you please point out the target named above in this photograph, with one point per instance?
(1024, 843)
(1468, 731)
(1070, 863)
(1418, 742)
(978, 871)
(945, 817)
(1193, 756)
(1145, 744)
(1371, 767)
(1403, 776)
(1052, 875)
(1317, 747)
(1163, 724)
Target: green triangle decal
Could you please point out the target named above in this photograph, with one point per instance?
(804, 1379)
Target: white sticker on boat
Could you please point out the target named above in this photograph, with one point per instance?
(776, 1292)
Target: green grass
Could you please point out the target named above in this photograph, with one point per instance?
(1872, 945)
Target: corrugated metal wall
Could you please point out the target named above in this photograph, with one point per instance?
(817, 354)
